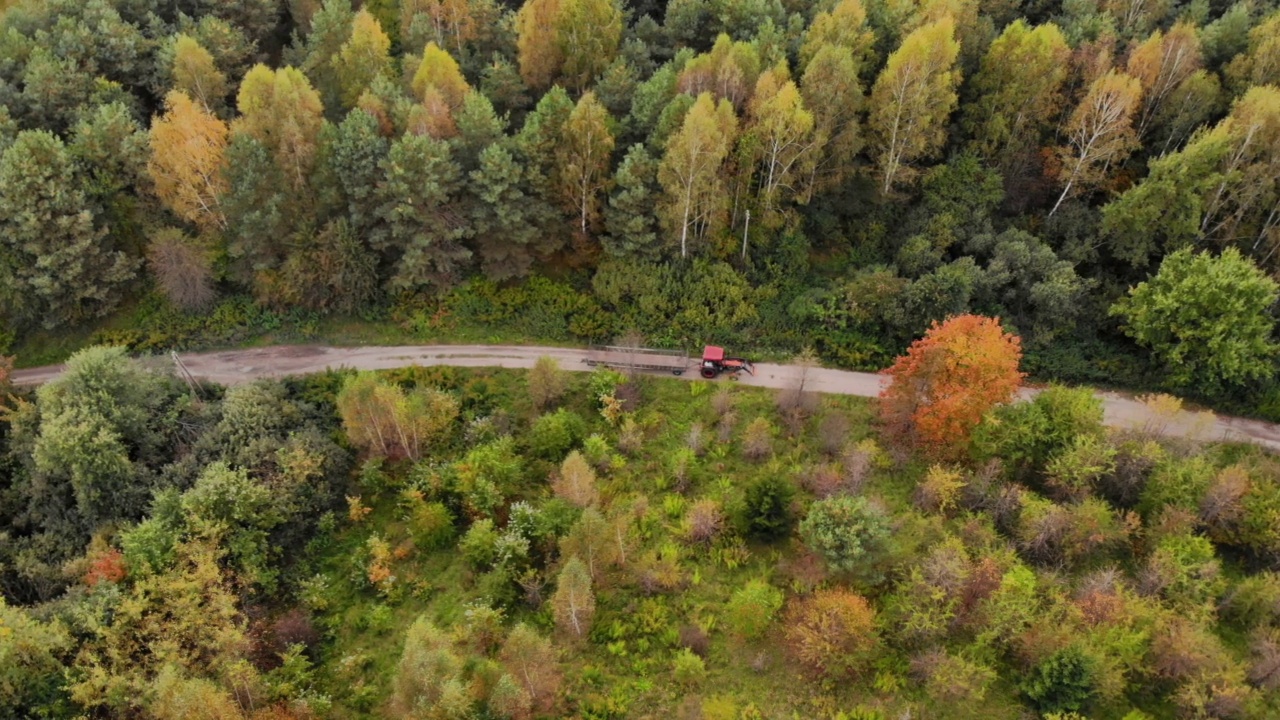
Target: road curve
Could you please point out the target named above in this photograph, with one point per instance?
(233, 367)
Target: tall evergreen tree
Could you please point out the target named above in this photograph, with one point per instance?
(55, 266)
(629, 219)
(508, 221)
(423, 220)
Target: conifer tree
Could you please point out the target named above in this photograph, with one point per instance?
(632, 231)
(424, 219)
(55, 267)
(508, 221)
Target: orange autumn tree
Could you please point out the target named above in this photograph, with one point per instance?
(948, 380)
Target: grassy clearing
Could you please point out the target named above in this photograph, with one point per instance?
(625, 669)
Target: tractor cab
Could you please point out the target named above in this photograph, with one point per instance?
(714, 363)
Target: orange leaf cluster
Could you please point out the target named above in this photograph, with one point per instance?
(105, 566)
(948, 380)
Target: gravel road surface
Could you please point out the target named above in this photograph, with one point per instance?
(240, 366)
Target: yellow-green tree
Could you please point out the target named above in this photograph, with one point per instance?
(911, 101)
(281, 110)
(588, 32)
(1099, 134)
(778, 141)
(1260, 64)
(833, 93)
(583, 160)
(439, 70)
(1017, 91)
(574, 603)
(843, 26)
(188, 156)
(571, 40)
(694, 201)
(363, 57)
(386, 421)
(195, 73)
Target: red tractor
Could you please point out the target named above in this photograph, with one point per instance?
(714, 363)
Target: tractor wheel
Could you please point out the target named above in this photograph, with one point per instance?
(677, 373)
(709, 374)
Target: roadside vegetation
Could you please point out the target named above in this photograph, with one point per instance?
(456, 543)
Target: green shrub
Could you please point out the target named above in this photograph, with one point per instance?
(479, 546)
(1062, 683)
(432, 525)
(753, 607)
(849, 533)
(688, 668)
(766, 506)
(554, 434)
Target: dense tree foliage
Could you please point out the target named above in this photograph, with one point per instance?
(838, 175)
(949, 379)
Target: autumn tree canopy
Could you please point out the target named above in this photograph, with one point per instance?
(940, 389)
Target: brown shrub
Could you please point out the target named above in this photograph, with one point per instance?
(832, 632)
(695, 639)
(724, 427)
(1264, 665)
(833, 432)
(823, 480)
(183, 269)
(722, 401)
(697, 439)
(757, 439)
(856, 462)
(704, 521)
(546, 383)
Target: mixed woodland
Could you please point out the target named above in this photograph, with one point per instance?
(756, 173)
(963, 194)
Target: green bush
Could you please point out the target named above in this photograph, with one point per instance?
(688, 668)
(849, 533)
(753, 607)
(766, 506)
(479, 546)
(432, 525)
(554, 434)
(1062, 683)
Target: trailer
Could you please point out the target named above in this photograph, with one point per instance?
(620, 357)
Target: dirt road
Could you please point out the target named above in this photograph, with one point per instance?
(240, 366)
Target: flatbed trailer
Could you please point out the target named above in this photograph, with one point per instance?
(637, 358)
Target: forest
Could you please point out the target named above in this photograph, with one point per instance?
(968, 196)
(765, 174)
(476, 544)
